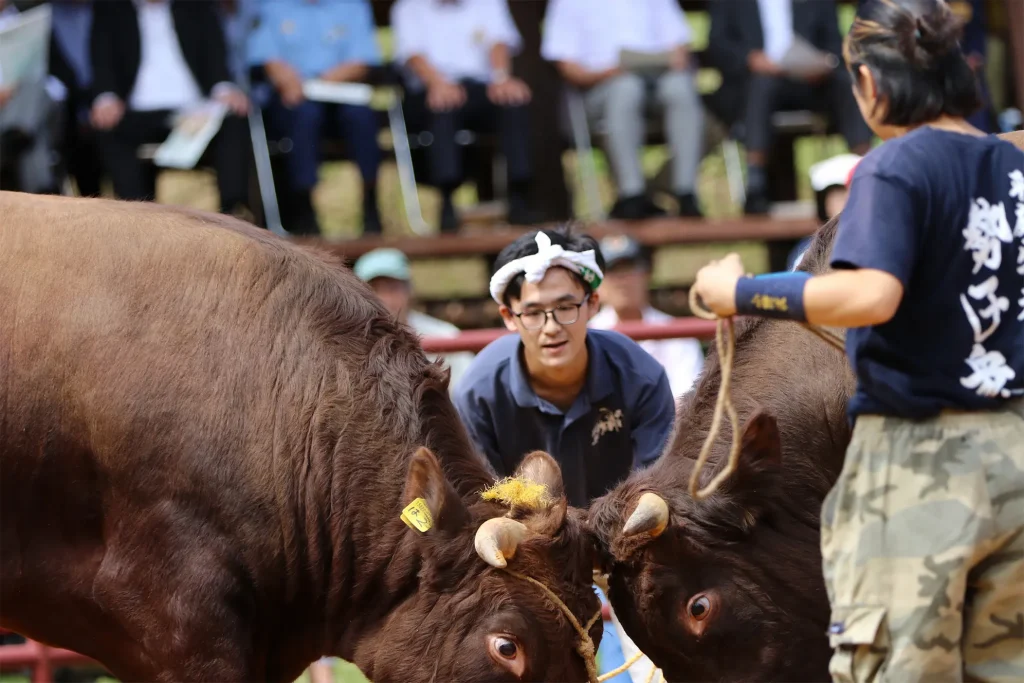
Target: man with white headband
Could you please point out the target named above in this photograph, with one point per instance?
(594, 399)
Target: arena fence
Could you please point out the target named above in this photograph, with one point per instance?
(475, 340)
(41, 659)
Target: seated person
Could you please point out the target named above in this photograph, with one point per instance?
(26, 119)
(748, 40)
(457, 56)
(626, 295)
(830, 180)
(585, 44)
(150, 60)
(975, 46)
(331, 41)
(71, 66)
(387, 273)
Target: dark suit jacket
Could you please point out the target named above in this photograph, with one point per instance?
(116, 53)
(736, 31)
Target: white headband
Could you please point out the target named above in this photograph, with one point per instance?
(534, 266)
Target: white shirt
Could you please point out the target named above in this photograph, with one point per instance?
(777, 26)
(164, 80)
(427, 326)
(455, 38)
(683, 359)
(591, 33)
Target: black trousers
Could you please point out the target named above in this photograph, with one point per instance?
(135, 180)
(833, 97)
(479, 115)
(79, 148)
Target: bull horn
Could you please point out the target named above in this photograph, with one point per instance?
(650, 516)
(497, 539)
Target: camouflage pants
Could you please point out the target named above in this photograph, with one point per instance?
(922, 541)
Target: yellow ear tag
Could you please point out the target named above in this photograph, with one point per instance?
(416, 515)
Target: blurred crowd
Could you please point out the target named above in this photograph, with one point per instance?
(119, 70)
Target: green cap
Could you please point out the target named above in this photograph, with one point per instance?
(382, 263)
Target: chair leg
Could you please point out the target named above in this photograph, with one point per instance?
(734, 171)
(264, 172)
(406, 175)
(585, 164)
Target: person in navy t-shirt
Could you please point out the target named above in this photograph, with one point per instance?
(923, 533)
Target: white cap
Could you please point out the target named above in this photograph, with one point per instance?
(835, 171)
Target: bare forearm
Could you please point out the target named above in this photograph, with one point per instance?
(501, 60)
(581, 77)
(424, 70)
(855, 298)
(278, 72)
(349, 71)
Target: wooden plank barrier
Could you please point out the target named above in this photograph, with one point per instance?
(655, 232)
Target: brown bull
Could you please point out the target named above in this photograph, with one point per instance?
(730, 589)
(207, 439)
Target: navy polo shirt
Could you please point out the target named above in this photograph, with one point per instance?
(621, 419)
(944, 214)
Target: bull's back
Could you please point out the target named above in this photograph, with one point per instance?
(142, 396)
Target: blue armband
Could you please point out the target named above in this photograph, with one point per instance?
(777, 295)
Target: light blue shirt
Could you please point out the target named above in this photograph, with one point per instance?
(314, 36)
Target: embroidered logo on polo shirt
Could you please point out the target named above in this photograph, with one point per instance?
(607, 422)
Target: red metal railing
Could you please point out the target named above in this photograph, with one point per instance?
(474, 340)
(41, 659)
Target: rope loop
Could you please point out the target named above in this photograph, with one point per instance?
(725, 341)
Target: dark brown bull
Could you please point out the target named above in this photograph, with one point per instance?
(730, 589)
(207, 437)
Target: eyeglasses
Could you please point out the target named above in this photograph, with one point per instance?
(564, 314)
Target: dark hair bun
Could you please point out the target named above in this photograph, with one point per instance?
(929, 37)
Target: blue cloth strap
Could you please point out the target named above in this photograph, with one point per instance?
(776, 295)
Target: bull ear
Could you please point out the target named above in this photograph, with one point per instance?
(761, 445)
(541, 468)
(744, 495)
(425, 480)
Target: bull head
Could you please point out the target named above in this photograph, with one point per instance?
(491, 618)
(760, 454)
(496, 539)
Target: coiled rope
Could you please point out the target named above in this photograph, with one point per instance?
(725, 341)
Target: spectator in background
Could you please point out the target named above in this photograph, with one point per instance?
(625, 294)
(830, 181)
(238, 19)
(457, 56)
(26, 121)
(329, 40)
(71, 66)
(387, 273)
(585, 42)
(748, 40)
(150, 60)
(975, 47)
(593, 399)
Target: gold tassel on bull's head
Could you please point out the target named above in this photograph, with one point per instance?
(518, 493)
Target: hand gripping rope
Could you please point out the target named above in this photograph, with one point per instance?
(725, 341)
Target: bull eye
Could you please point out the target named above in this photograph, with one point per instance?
(507, 653)
(700, 607)
(506, 648)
